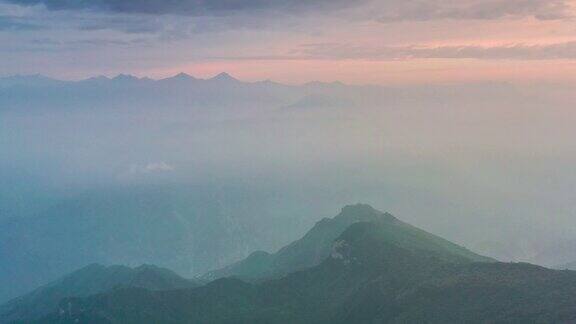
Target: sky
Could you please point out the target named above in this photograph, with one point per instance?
(471, 136)
(293, 41)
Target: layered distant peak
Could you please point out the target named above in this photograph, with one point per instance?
(179, 79)
(224, 77)
(183, 76)
(125, 77)
(100, 78)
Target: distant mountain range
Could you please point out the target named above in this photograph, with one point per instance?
(127, 91)
(377, 270)
(194, 174)
(222, 91)
(105, 126)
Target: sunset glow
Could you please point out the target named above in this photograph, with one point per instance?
(397, 41)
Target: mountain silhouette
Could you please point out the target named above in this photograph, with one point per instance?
(316, 245)
(92, 279)
(378, 270)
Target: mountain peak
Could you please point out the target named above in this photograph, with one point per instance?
(224, 77)
(363, 212)
(183, 76)
(180, 77)
(125, 77)
(359, 207)
(308, 251)
(98, 78)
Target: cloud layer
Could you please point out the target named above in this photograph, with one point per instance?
(473, 9)
(382, 10)
(183, 7)
(78, 38)
(563, 50)
(8, 23)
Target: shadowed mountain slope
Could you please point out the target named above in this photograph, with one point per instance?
(188, 229)
(316, 245)
(367, 278)
(87, 281)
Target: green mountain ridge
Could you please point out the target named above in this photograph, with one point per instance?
(189, 229)
(87, 281)
(368, 277)
(316, 245)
